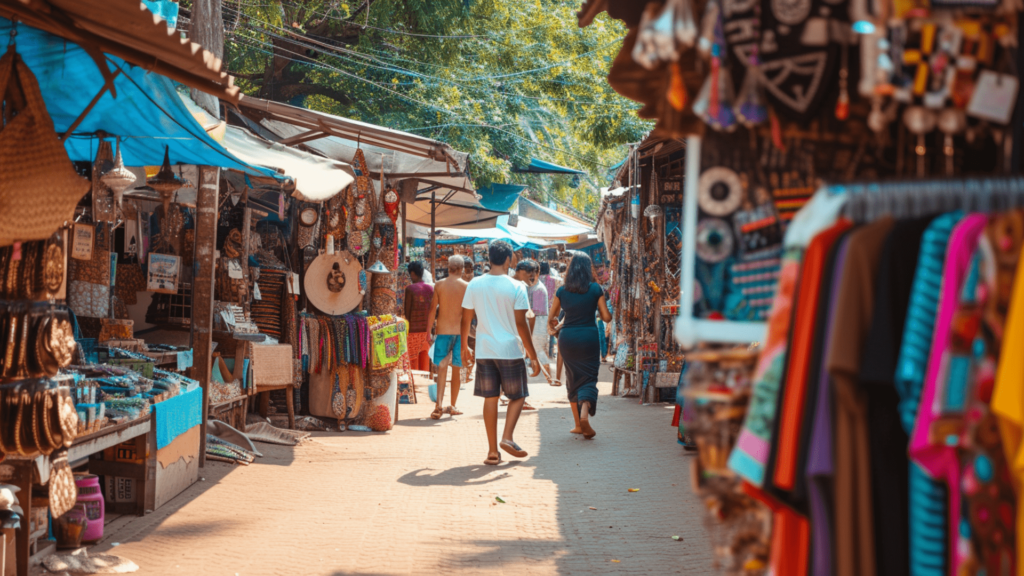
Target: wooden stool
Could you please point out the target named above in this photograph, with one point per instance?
(264, 393)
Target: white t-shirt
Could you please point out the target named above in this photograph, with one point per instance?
(495, 300)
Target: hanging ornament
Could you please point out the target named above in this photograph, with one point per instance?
(118, 178)
(750, 109)
(919, 121)
(677, 96)
(952, 121)
(359, 194)
(714, 103)
(843, 103)
(166, 182)
(391, 204)
(686, 25)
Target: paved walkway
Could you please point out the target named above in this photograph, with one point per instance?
(418, 500)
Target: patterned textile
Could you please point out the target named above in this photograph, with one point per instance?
(928, 532)
(418, 342)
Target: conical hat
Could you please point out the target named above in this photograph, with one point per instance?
(319, 274)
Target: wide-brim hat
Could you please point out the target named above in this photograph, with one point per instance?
(328, 302)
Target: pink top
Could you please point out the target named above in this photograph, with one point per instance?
(940, 460)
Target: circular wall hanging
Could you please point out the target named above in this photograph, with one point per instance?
(720, 191)
(714, 240)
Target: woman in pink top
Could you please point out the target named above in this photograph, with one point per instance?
(938, 458)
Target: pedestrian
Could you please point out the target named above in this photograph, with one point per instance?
(499, 304)
(468, 272)
(539, 305)
(578, 342)
(446, 308)
(417, 303)
(549, 276)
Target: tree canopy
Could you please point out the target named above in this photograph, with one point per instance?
(505, 80)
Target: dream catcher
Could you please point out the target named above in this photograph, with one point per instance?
(360, 195)
(358, 240)
(335, 219)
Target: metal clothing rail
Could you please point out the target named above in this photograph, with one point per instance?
(869, 201)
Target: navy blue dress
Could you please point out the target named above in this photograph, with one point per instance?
(579, 344)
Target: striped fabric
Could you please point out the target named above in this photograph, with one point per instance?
(928, 525)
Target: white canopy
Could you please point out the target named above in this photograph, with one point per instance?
(316, 178)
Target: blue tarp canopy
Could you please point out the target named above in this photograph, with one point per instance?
(147, 113)
(541, 167)
(500, 197)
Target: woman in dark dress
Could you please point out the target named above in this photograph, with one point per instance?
(580, 298)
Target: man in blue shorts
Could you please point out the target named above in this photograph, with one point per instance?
(446, 308)
(499, 304)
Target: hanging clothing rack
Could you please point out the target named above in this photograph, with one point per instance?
(870, 201)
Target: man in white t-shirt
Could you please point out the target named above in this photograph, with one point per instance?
(499, 304)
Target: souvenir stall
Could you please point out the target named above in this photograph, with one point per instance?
(875, 362)
(74, 411)
(641, 270)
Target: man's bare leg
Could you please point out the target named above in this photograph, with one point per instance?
(576, 418)
(491, 425)
(456, 384)
(442, 380)
(515, 408)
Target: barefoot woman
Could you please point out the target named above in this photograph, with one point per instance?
(580, 297)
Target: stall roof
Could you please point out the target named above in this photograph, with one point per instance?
(439, 170)
(127, 30)
(315, 178)
(537, 230)
(541, 167)
(535, 211)
(500, 196)
(147, 112)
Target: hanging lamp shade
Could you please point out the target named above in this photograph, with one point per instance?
(378, 267)
(166, 182)
(118, 178)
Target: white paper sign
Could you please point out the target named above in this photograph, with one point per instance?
(234, 269)
(81, 249)
(994, 97)
(256, 291)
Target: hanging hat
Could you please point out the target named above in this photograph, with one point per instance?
(332, 283)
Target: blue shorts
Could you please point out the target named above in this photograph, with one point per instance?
(446, 345)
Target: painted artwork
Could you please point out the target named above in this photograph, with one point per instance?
(162, 273)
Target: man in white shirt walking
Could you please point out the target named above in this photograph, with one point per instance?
(499, 304)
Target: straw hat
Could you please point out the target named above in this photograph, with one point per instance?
(332, 283)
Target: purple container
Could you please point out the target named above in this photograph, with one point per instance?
(91, 496)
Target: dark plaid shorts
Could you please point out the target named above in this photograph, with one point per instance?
(494, 377)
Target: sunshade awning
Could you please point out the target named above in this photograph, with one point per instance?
(127, 30)
(541, 167)
(316, 178)
(500, 196)
(147, 113)
(438, 171)
(542, 231)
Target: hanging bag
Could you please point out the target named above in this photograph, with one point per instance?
(39, 187)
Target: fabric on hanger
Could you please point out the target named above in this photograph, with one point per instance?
(927, 510)
(854, 529)
(750, 455)
(942, 462)
(788, 528)
(886, 437)
(1008, 400)
(792, 406)
(820, 464)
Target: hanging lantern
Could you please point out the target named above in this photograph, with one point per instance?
(166, 182)
(118, 178)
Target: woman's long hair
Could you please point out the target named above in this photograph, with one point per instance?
(580, 274)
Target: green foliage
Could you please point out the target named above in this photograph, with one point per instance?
(504, 80)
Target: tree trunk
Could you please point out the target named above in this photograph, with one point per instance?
(207, 30)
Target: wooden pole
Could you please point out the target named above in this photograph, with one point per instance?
(405, 233)
(433, 235)
(202, 289)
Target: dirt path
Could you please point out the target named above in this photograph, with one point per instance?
(418, 500)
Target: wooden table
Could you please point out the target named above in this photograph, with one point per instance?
(24, 472)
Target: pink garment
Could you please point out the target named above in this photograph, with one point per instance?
(939, 460)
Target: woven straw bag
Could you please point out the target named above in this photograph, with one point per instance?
(39, 187)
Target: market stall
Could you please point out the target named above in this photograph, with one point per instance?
(879, 306)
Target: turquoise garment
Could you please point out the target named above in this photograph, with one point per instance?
(928, 505)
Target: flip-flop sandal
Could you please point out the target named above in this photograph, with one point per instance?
(556, 383)
(513, 449)
(436, 414)
(527, 406)
(452, 411)
(493, 461)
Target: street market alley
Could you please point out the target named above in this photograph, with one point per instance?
(418, 500)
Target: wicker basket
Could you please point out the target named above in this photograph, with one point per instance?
(39, 187)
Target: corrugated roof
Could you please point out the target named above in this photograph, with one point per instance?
(128, 30)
